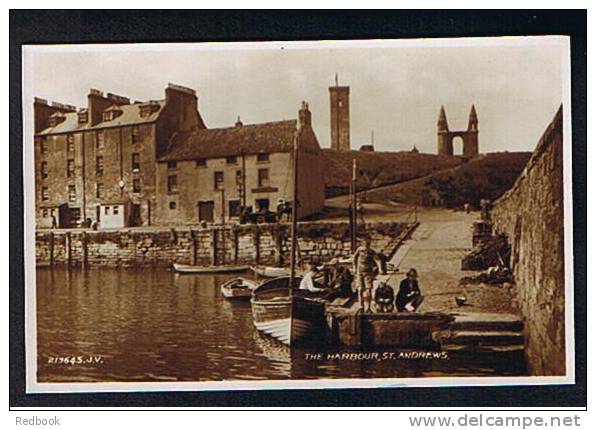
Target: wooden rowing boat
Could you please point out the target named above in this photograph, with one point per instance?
(292, 319)
(238, 289)
(187, 268)
(272, 272)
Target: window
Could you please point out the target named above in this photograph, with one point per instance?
(136, 185)
(99, 165)
(263, 157)
(172, 184)
(147, 109)
(83, 117)
(218, 180)
(201, 162)
(99, 191)
(72, 193)
(70, 143)
(263, 177)
(75, 216)
(172, 164)
(135, 136)
(44, 169)
(45, 194)
(234, 208)
(44, 213)
(70, 168)
(115, 210)
(136, 162)
(106, 210)
(43, 145)
(232, 159)
(239, 177)
(172, 205)
(99, 140)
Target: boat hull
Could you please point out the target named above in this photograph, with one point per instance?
(236, 294)
(238, 289)
(273, 272)
(293, 321)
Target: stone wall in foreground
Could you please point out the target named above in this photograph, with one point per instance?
(531, 215)
(248, 244)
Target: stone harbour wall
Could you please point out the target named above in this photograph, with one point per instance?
(530, 214)
(215, 245)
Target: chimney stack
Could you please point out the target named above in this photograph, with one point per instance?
(182, 103)
(304, 116)
(96, 104)
(42, 111)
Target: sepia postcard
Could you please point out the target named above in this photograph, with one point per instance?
(331, 214)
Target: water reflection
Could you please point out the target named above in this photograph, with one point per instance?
(155, 325)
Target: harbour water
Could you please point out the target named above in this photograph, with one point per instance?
(103, 325)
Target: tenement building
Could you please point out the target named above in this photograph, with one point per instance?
(98, 164)
(208, 175)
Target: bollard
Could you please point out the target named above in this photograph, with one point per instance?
(68, 241)
(51, 248)
(214, 245)
(193, 244)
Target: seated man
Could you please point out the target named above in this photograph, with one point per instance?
(341, 283)
(409, 296)
(308, 280)
(384, 296)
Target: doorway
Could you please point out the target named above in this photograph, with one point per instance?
(262, 205)
(206, 210)
(135, 215)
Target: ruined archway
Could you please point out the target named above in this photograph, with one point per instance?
(469, 137)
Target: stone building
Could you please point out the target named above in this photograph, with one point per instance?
(469, 137)
(210, 174)
(98, 163)
(339, 98)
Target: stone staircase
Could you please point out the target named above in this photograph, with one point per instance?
(482, 332)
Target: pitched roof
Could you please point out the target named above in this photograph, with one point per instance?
(222, 142)
(130, 116)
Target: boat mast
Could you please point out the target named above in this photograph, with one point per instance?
(294, 211)
(353, 208)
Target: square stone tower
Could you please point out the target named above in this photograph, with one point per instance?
(340, 117)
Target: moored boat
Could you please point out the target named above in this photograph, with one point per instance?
(238, 288)
(288, 315)
(272, 272)
(187, 268)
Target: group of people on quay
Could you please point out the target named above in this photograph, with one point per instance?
(335, 280)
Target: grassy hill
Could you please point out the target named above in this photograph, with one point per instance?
(378, 168)
(488, 176)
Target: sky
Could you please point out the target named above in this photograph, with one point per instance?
(396, 88)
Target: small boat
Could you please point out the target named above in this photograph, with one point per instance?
(187, 268)
(272, 272)
(238, 288)
(293, 318)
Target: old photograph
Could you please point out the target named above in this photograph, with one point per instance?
(298, 214)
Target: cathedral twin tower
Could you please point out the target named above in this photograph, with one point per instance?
(469, 137)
